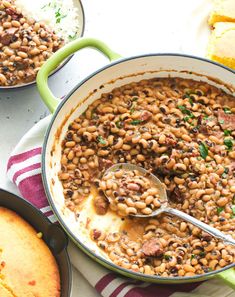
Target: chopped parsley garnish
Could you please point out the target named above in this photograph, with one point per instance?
(101, 139)
(119, 124)
(203, 149)
(227, 110)
(224, 174)
(190, 101)
(221, 121)
(233, 209)
(136, 122)
(193, 256)
(59, 16)
(229, 144)
(185, 111)
(73, 37)
(205, 117)
(227, 132)
(219, 210)
(132, 110)
(167, 257)
(134, 98)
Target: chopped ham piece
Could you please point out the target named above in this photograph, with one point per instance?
(6, 36)
(227, 121)
(152, 248)
(145, 115)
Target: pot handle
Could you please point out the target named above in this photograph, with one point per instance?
(52, 63)
(228, 276)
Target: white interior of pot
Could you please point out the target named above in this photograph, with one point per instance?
(149, 67)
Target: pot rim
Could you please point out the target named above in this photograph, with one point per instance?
(79, 243)
(32, 83)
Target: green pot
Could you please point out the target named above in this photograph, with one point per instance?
(117, 73)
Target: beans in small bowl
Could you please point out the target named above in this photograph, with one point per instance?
(25, 45)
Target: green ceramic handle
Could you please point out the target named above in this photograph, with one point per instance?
(228, 276)
(52, 63)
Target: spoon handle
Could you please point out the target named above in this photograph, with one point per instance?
(211, 230)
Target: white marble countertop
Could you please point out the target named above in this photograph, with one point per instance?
(129, 27)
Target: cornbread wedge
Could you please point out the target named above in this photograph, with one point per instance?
(27, 266)
(224, 11)
(221, 47)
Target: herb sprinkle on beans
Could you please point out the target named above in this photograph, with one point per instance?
(183, 132)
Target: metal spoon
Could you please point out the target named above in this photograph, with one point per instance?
(165, 207)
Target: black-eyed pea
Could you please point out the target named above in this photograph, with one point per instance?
(154, 222)
(103, 153)
(122, 207)
(203, 261)
(146, 211)
(130, 202)
(140, 204)
(113, 237)
(70, 144)
(194, 261)
(134, 152)
(162, 139)
(186, 137)
(119, 144)
(181, 272)
(89, 152)
(146, 136)
(130, 252)
(213, 263)
(232, 189)
(156, 203)
(64, 176)
(232, 154)
(6, 25)
(149, 199)
(172, 261)
(180, 166)
(183, 226)
(152, 191)
(185, 204)
(75, 160)
(188, 268)
(148, 270)
(196, 231)
(199, 193)
(144, 143)
(126, 147)
(222, 263)
(70, 155)
(131, 210)
(140, 157)
(170, 164)
(135, 267)
(178, 181)
(222, 201)
(150, 228)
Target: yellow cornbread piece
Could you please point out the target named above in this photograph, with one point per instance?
(221, 47)
(223, 11)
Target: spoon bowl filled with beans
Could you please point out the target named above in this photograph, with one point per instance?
(131, 190)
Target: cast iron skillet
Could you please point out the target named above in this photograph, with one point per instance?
(53, 235)
(82, 25)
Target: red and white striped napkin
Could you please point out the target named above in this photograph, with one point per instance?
(24, 169)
